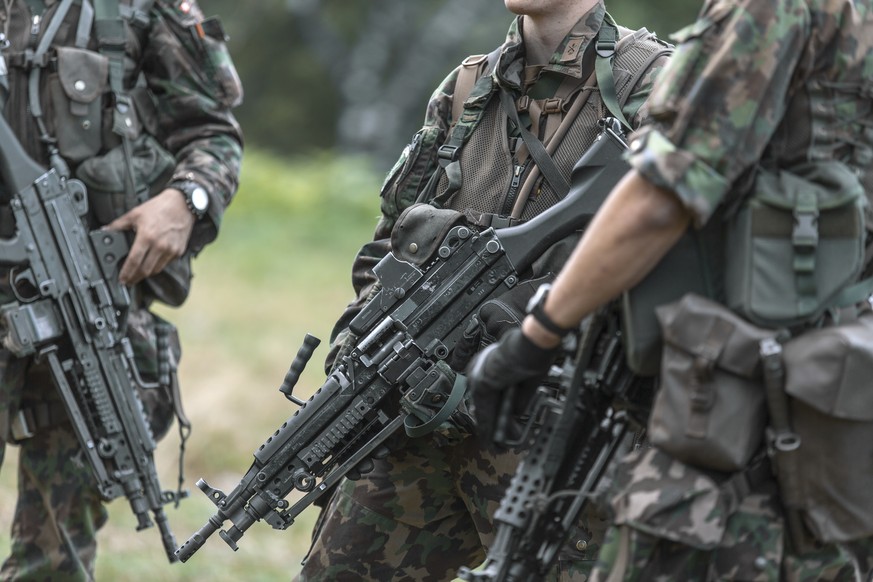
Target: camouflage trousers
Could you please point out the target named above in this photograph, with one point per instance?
(59, 509)
(674, 523)
(421, 514)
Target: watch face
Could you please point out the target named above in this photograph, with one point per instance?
(199, 199)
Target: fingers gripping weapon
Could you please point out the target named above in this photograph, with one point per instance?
(406, 333)
(577, 433)
(71, 313)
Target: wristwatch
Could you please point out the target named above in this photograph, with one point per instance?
(535, 308)
(195, 196)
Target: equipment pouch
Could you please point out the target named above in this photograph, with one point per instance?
(153, 166)
(76, 91)
(795, 243)
(709, 411)
(827, 376)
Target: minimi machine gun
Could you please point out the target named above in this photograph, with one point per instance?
(572, 434)
(71, 313)
(406, 331)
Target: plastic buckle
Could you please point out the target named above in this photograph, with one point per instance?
(448, 152)
(805, 233)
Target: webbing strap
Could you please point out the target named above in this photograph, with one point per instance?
(459, 388)
(86, 21)
(804, 239)
(604, 47)
(55, 159)
(535, 148)
(111, 40)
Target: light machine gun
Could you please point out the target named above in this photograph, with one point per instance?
(71, 312)
(406, 330)
(576, 433)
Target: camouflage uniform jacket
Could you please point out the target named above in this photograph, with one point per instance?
(176, 70)
(418, 162)
(791, 82)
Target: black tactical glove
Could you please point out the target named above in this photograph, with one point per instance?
(494, 318)
(512, 362)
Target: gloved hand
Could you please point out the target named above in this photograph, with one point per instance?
(513, 361)
(494, 318)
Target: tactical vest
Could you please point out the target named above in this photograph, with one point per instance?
(569, 120)
(61, 79)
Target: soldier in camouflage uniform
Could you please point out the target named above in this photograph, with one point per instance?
(752, 85)
(426, 509)
(142, 115)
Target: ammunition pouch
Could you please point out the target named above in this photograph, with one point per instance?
(709, 411)
(105, 177)
(796, 243)
(77, 90)
(830, 407)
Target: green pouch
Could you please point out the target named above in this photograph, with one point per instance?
(105, 176)
(796, 243)
(827, 376)
(709, 410)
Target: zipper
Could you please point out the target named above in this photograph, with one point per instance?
(512, 193)
(35, 21)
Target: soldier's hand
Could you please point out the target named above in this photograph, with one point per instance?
(162, 226)
(494, 318)
(514, 360)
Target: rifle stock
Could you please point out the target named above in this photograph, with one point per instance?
(406, 332)
(71, 313)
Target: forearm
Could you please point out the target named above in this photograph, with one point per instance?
(634, 229)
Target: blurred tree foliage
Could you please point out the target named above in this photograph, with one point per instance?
(355, 75)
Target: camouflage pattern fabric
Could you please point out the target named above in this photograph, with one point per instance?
(421, 514)
(674, 522)
(192, 87)
(716, 115)
(751, 84)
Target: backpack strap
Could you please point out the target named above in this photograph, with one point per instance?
(472, 68)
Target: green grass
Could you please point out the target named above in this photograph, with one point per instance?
(279, 269)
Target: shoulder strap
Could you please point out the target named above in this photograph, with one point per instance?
(33, 85)
(611, 51)
(111, 42)
(472, 68)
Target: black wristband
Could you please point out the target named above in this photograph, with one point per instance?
(536, 309)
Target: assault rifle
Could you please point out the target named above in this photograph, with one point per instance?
(406, 332)
(71, 312)
(577, 431)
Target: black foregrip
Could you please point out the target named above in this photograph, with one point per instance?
(310, 342)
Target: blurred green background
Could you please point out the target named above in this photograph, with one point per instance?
(334, 89)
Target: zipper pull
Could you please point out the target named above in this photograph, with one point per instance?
(34, 26)
(516, 176)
